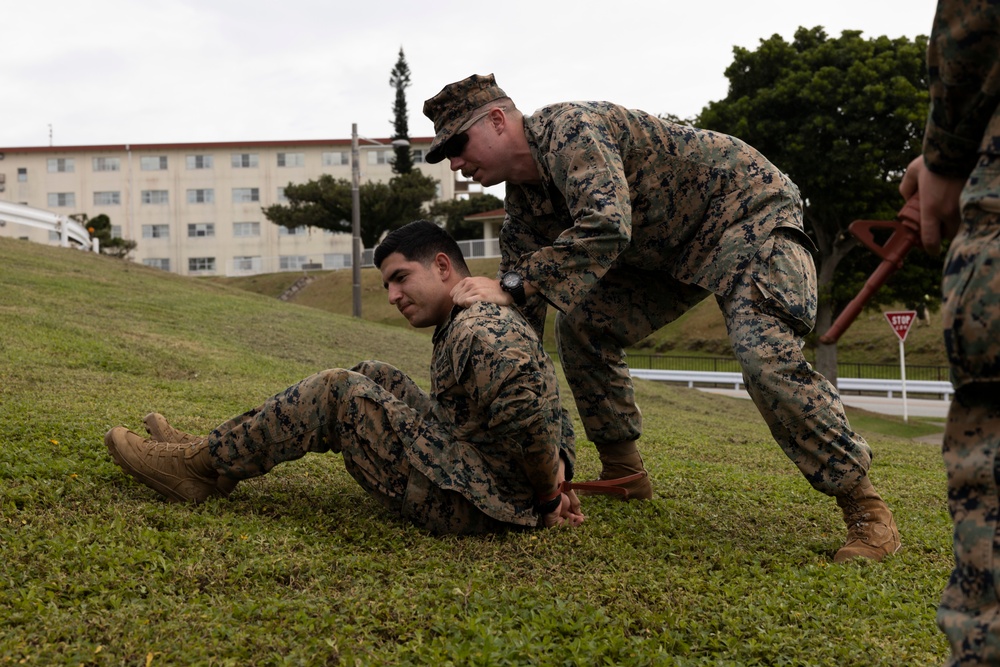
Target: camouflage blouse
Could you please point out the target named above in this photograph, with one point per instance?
(494, 387)
(621, 188)
(963, 65)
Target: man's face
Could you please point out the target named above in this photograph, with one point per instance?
(421, 293)
(480, 159)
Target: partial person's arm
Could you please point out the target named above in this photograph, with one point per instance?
(501, 376)
(963, 63)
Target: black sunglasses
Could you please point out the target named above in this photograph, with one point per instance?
(454, 146)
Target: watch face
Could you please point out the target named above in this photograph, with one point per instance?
(511, 280)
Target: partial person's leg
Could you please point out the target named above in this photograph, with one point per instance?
(623, 308)
(969, 612)
(397, 383)
(771, 306)
(285, 427)
(335, 410)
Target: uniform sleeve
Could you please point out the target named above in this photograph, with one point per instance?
(963, 66)
(583, 159)
(502, 378)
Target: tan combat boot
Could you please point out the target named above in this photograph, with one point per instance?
(181, 472)
(622, 460)
(160, 430)
(871, 528)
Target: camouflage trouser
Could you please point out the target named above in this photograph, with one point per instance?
(770, 307)
(969, 613)
(371, 414)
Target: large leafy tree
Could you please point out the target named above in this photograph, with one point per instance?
(399, 79)
(843, 117)
(326, 204)
(454, 212)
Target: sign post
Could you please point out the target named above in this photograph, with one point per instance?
(900, 321)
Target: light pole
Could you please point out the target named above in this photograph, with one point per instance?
(356, 210)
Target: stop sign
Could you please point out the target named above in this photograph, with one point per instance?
(900, 321)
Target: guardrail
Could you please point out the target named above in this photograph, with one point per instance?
(846, 369)
(67, 229)
(942, 389)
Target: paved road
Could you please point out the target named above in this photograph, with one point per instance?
(915, 407)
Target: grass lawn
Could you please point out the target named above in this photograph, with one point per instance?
(730, 564)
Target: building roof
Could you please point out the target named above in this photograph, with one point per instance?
(486, 216)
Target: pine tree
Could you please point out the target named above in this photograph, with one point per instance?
(400, 80)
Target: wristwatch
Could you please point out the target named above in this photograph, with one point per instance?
(513, 284)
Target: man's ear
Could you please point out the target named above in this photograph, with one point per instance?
(497, 120)
(442, 263)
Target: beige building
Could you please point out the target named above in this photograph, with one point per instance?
(196, 209)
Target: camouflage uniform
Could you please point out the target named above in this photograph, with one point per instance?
(635, 221)
(468, 457)
(963, 139)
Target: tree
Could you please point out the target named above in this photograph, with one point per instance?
(99, 228)
(455, 211)
(400, 80)
(326, 204)
(842, 117)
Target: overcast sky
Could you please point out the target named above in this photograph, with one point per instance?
(152, 71)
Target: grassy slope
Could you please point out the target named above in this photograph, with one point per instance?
(700, 331)
(729, 565)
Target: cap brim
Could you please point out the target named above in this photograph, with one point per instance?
(435, 154)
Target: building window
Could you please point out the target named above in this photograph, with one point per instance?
(418, 155)
(199, 162)
(161, 263)
(206, 196)
(245, 229)
(155, 197)
(111, 198)
(294, 231)
(336, 261)
(107, 164)
(290, 262)
(244, 195)
(116, 231)
(62, 199)
(244, 160)
(249, 263)
(291, 159)
(60, 165)
(281, 195)
(336, 159)
(22, 174)
(153, 163)
(380, 157)
(198, 264)
(155, 231)
(201, 229)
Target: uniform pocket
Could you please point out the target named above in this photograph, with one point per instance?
(786, 276)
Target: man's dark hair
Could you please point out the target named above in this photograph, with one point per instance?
(420, 241)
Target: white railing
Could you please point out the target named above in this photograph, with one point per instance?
(943, 389)
(480, 248)
(67, 228)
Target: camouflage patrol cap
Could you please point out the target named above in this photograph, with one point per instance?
(453, 108)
